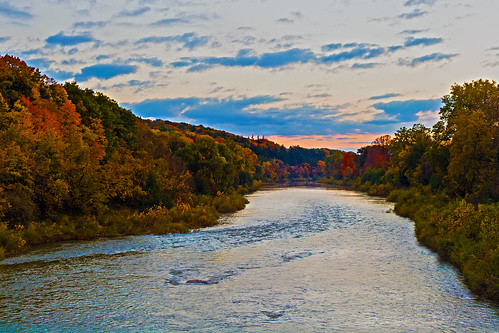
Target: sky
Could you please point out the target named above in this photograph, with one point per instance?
(315, 73)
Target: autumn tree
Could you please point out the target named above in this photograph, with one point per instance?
(470, 116)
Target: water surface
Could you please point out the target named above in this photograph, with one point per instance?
(296, 259)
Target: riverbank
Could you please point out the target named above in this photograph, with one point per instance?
(119, 222)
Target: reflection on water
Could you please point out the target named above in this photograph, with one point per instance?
(296, 259)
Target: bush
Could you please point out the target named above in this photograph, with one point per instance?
(228, 203)
(10, 239)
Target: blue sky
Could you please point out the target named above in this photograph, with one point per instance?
(315, 73)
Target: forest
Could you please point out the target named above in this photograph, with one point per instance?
(76, 165)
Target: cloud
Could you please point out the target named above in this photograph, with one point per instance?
(59, 75)
(31, 52)
(90, 24)
(41, 63)
(13, 13)
(405, 111)
(412, 32)
(104, 71)
(246, 58)
(283, 58)
(136, 84)
(103, 57)
(63, 40)
(419, 2)
(413, 14)
(71, 62)
(389, 95)
(155, 62)
(288, 20)
(364, 66)
(358, 52)
(285, 20)
(189, 40)
(136, 12)
(170, 22)
(4, 39)
(434, 57)
(411, 41)
(331, 47)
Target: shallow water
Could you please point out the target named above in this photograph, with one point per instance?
(296, 259)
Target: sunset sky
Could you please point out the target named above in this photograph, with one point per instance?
(333, 74)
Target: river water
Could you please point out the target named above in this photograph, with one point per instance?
(295, 260)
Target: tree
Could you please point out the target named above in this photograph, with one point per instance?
(472, 168)
(470, 118)
(334, 164)
(349, 168)
(408, 149)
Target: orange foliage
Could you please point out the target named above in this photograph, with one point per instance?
(43, 119)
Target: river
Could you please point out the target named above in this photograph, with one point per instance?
(294, 260)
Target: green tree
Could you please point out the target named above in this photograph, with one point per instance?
(472, 168)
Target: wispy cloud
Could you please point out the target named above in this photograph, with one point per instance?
(411, 41)
(170, 21)
(249, 58)
(291, 19)
(42, 63)
(59, 75)
(136, 12)
(419, 2)
(434, 57)
(12, 12)
(358, 52)
(64, 40)
(331, 47)
(389, 95)
(89, 24)
(246, 58)
(4, 39)
(365, 66)
(285, 20)
(189, 40)
(412, 32)
(136, 84)
(413, 14)
(105, 71)
(155, 62)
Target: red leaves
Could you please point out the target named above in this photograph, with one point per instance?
(43, 119)
(47, 116)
